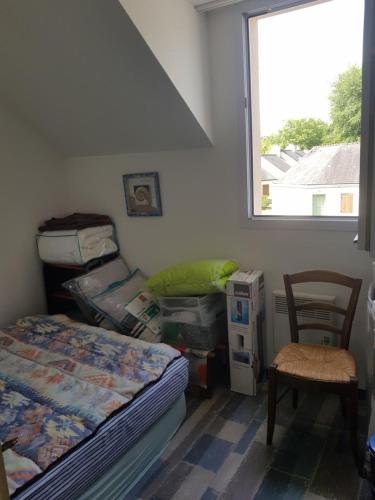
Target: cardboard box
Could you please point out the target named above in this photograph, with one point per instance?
(246, 315)
(242, 373)
(206, 368)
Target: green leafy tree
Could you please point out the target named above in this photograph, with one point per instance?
(345, 112)
(345, 102)
(267, 143)
(304, 133)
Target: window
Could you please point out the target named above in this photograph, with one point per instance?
(305, 80)
(318, 201)
(346, 203)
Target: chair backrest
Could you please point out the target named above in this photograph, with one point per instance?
(322, 277)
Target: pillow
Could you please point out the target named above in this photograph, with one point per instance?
(132, 310)
(192, 278)
(143, 317)
(99, 279)
(120, 300)
(113, 300)
(84, 287)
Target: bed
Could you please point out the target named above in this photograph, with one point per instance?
(91, 409)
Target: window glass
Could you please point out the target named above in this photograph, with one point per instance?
(305, 109)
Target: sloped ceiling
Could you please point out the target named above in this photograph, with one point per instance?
(82, 74)
(177, 35)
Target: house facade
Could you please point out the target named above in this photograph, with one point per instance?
(273, 168)
(325, 182)
(321, 200)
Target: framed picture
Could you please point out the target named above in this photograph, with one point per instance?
(142, 194)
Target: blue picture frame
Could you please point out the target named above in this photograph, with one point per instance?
(142, 194)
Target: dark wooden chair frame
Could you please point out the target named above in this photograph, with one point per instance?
(348, 392)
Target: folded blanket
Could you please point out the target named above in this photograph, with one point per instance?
(75, 221)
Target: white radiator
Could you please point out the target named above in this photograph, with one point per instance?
(280, 319)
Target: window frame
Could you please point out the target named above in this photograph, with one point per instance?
(253, 221)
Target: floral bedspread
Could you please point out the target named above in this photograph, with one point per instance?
(59, 380)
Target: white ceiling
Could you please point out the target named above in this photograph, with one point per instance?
(83, 75)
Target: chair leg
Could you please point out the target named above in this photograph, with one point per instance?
(272, 392)
(295, 399)
(343, 406)
(353, 418)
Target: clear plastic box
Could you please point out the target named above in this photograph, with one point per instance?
(194, 336)
(201, 311)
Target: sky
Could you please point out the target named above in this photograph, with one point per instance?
(301, 53)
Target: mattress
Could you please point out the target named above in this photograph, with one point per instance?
(124, 478)
(76, 397)
(73, 474)
(76, 246)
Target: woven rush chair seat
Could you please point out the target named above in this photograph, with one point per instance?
(316, 362)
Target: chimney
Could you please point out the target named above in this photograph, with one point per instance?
(275, 150)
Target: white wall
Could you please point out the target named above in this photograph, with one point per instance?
(202, 194)
(31, 189)
(177, 35)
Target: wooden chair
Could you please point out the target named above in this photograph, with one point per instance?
(4, 494)
(312, 367)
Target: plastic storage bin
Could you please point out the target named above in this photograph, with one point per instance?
(201, 311)
(194, 336)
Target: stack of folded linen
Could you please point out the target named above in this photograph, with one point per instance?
(76, 239)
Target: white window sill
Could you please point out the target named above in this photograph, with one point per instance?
(302, 223)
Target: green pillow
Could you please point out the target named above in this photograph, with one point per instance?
(192, 278)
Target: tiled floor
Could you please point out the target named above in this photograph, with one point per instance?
(220, 453)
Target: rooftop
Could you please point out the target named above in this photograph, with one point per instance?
(295, 155)
(277, 162)
(267, 176)
(324, 165)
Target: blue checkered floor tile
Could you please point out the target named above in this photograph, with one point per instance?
(220, 452)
